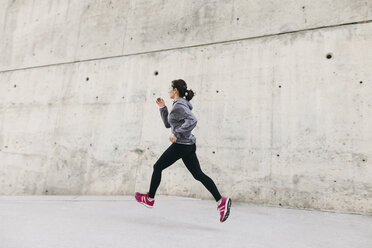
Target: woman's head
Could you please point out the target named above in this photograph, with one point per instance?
(178, 88)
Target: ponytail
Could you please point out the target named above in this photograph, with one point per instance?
(189, 94)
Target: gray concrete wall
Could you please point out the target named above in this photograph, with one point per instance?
(278, 122)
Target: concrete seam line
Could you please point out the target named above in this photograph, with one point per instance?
(191, 46)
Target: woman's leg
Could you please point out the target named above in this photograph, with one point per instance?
(192, 163)
(171, 155)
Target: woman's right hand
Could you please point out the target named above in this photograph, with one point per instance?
(160, 102)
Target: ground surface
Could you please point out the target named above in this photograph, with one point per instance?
(119, 221)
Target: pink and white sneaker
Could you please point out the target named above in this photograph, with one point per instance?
(224, 208)
(144, 199)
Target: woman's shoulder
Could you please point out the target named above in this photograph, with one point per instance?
(179, 107)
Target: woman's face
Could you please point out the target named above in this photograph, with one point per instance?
(173, 92)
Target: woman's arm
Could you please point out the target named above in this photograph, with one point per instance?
(164, 116)
(189, 118)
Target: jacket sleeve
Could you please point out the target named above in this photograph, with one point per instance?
(189, 118)
(164, 116)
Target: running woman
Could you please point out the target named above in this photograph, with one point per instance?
(181, 121)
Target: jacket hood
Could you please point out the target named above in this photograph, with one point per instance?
(183, 101)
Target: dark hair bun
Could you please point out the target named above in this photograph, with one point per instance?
(189, 94)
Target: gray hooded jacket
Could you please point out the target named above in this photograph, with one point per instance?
(181, 121)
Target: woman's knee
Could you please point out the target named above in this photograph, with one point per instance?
(200, 176)
(157, 167)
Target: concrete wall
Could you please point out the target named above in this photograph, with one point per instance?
(278, 122)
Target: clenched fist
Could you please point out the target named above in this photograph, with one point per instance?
(160, 102)
(172, 138)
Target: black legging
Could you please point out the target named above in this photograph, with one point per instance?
(187, 152)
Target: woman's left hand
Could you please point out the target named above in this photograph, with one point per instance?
(172, 138)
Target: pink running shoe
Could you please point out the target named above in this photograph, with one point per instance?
(144, 199)
(224, 208)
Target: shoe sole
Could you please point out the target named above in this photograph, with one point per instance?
(227, 208)
(144, 204)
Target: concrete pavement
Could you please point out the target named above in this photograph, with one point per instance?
(119, 221)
